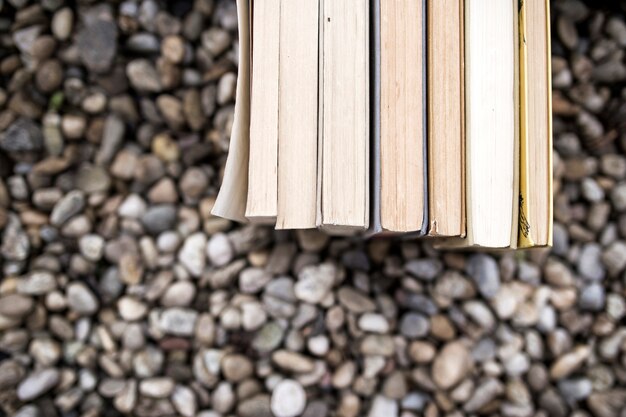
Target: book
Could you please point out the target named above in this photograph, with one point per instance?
(298, 114)
(232, 199)
(352, 118)
(446, 118)
(491, 125)
(400, 118)
(262, 199)
(536, 229)
(344, 104)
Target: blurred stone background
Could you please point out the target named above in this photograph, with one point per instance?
(121, 294)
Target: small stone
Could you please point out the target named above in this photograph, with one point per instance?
(591, 190)
(97, 41)
(37, 283)
(131, 309)
(268, 338)
(253, 316)
(592, 298)
(156, 387)
(608, 404)
(618, 197)
(293, 362)
(253, 280)
(173, 48)
(143, 76)
(574, 390)
(236, 367)
(414, 325)
(62, 23)
(355, 301)
(178, 321)
(215, 40)
(288, 399)
(483, 269)
(614, 258)
(219, 250)
(589, 262)
(184, 401)
(49, 76)
(315, 283)
(69, 206)
(93, 179)
(112, 138)
(133, 207)
(383, 406)
(165, 148)
(15, 305)
(179, 294)
(160, 218)
(373, 323)
(92, 247)
(486, 392)
(37, 384)
(192, 254)
(15, 242)
(81, 299)
(424, 269)
(23, 135)
(451, 365)
(568, 363)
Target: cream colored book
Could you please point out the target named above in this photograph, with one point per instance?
(446, 118)
(403, 185)
(298, 114)
(263, 167)
(536, 224)
(344, 103)
(232, 198)
(492, 125)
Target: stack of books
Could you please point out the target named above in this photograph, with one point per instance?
(419, 117)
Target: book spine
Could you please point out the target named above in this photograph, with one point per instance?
(549, 110)
(524, 236)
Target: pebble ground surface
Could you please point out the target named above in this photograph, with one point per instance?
(121, 294)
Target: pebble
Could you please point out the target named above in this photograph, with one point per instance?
(70, 205)
(62, 23)
(159, 218)
(293, 361)
(156, 387)
(92, 247)
(15, 243)
(355, 301)
(569, 362)
(315, 283)
(236, 367)
(23, 135)
(219, 250)
(192, 255)
(178, 321)
(38, 383)
(253, 280)
(288, 399)
(37, 283)
(184, 401)
(486, 392)
(383, 406)
(451, 365)
(424, 269)
(16, 305)
(589, 263)
(97, 41)
(81, 299)
(483, 269)
(143, 76)
(414, 325)
(373, 323)
(592, 298)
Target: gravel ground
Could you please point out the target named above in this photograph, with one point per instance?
(121, 294)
